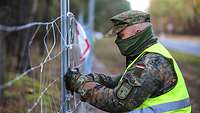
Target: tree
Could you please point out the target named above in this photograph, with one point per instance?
(14, 13)
(106, 9)
(103, 11)
(3, 19)
(181, 13)
(2, 63)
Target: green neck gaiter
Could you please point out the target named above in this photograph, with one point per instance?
(134, 43)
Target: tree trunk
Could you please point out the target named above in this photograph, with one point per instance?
(25, 16)
(46, 17)
(2, 63)
(4, 9)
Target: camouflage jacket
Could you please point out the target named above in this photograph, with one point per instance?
(150, 76)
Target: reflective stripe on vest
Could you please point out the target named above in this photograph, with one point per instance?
(164, 107)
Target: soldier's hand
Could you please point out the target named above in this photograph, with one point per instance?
(70, 78)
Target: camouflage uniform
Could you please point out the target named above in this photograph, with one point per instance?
(151, 76)
(104, 92)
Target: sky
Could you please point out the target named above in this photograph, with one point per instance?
(141, 5)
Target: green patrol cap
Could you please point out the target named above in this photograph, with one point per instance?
(127, 18)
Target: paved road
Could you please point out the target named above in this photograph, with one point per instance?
(185, 46)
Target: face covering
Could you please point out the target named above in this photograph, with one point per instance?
(134, 44)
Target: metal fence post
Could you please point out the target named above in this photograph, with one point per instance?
(90, 33)
(65, 62)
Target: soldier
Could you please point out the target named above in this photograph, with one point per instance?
(152, 81)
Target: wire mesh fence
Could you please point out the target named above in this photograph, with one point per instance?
(37, 89)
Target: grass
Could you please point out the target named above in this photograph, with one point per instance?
(186, 58)
(23, 93)
(109, 54)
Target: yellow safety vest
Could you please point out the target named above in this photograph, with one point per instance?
(174, 101)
